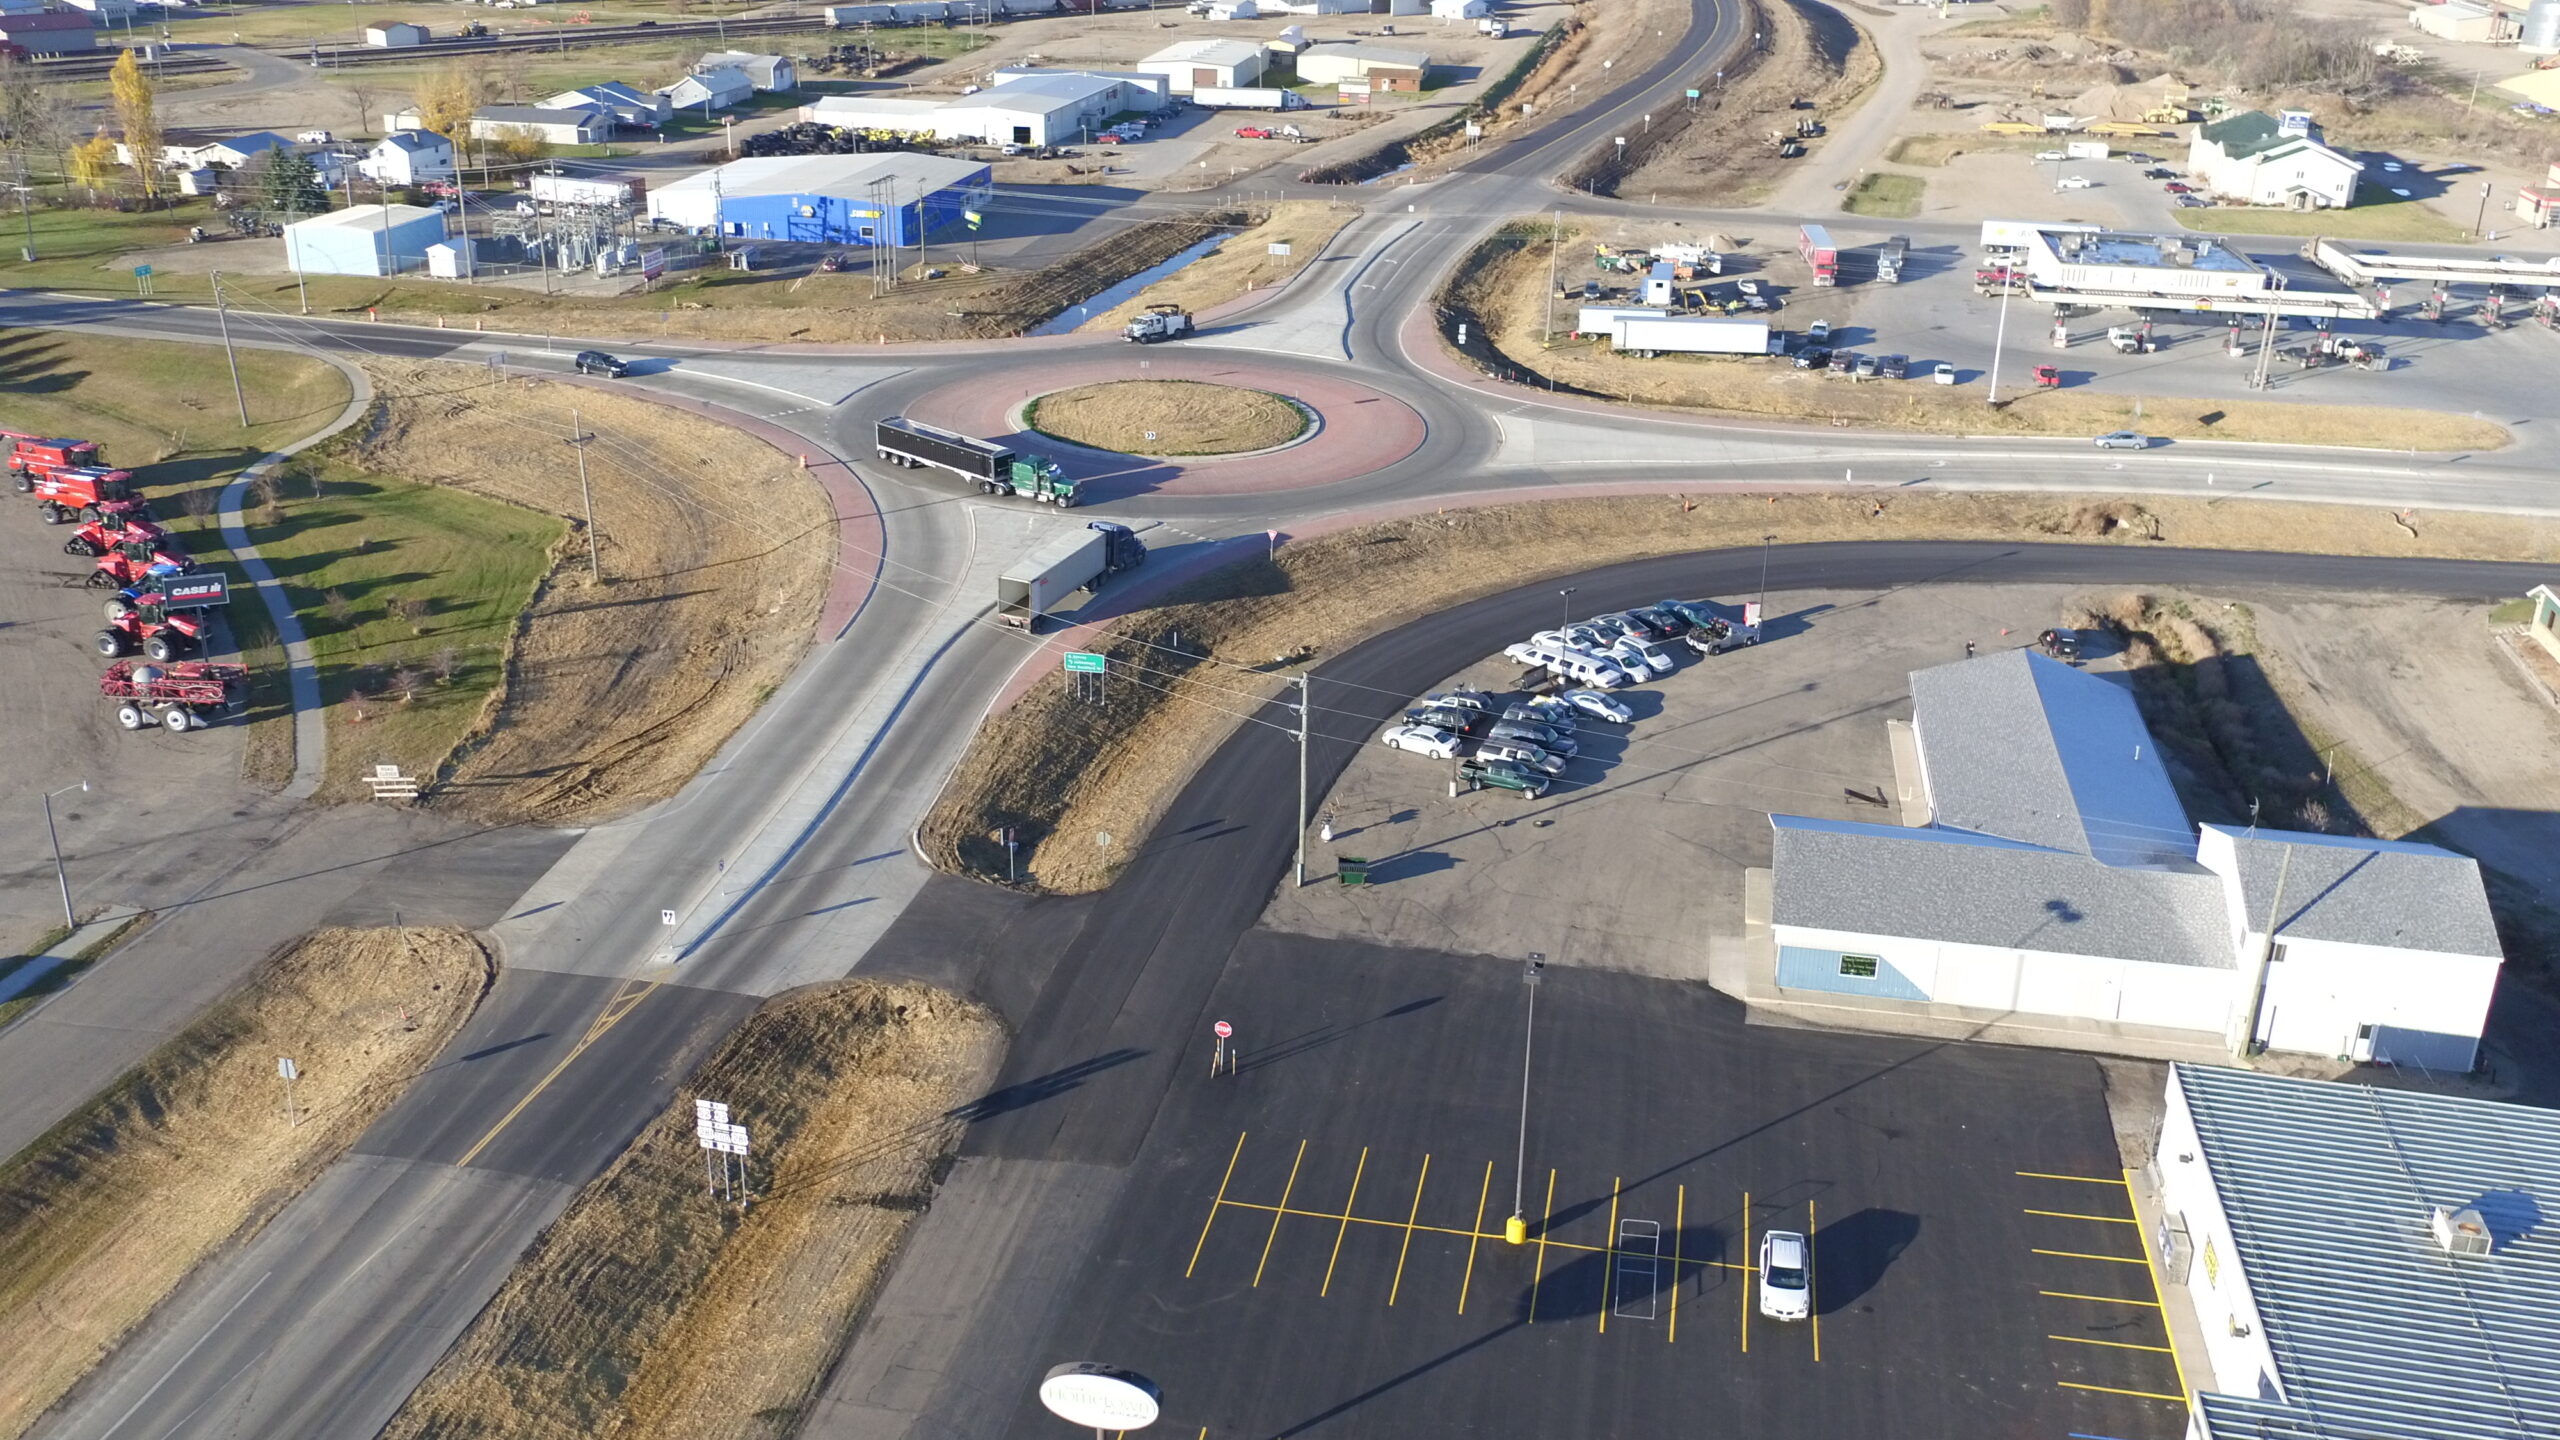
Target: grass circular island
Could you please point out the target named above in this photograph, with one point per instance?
(1168, 417)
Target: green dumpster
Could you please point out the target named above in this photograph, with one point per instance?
(1352, 871)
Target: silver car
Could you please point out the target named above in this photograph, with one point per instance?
(2123, 440)
(1526, 756)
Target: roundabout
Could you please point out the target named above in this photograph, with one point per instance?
(1160, 419)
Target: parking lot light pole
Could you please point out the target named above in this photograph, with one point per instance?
(61, 876)
(1306, 712)
(1516, 1229)
(1564, 598)
(1765, 542)
(2481, 221)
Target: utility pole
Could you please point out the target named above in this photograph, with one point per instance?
(1555, 245)
(222, 317)
(1516, 1229)
(1306, 710)
(1765, 542)
(578, 437)
(2248, 1032)
(61, 876)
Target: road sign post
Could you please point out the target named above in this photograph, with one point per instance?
(1222, 1057)
(1081, 663)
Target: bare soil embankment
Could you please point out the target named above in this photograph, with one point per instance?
(1085, 784)
(716, 560)
(653, 1307)
(103, 1217)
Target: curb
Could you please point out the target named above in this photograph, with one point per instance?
(310, 724)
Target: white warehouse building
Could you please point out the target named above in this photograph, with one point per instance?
(2058, 875)
(2364, 1264)
(2262, 159)
(1215, 64)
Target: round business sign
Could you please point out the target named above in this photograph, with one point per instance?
(1223, 1029)
(1099, 1396)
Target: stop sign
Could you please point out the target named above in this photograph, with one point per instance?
(1223, 1029)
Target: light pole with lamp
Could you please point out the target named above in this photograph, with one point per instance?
(61, 876)
(1765, 542)
(2481, 220)
(2000, 338)
(1516, 1229)
(1564, 598)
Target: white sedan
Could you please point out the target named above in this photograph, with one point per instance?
(1597, 705)
(1422, 740)
(2073, 182)
(2050, 157)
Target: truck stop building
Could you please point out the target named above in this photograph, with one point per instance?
(2363, 1263)
(363, 240)
(827, 199)
(2055, 873)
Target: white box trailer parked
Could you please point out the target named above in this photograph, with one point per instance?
(846, 17)
(1693, 335)
(1603, 319)
(571, 190)
(1247, 97)
(2086, 150)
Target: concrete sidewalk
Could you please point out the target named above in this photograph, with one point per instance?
(30, 971)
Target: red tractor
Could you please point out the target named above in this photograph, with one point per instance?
(30, 452)
(178, 697)
(67, 494)
(117, 522)
(139, 562)
(144, 621)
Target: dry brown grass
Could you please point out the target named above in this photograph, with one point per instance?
(1720, 155)
(1244, 263)
(1508, 294)
(653, 1308)
(1068, 773)
(1168, 417)
(716, 560)
(1937, 148)
(101, 1218)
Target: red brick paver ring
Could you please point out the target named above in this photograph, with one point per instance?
(1359, 431)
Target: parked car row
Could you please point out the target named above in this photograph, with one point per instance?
(1524, 745)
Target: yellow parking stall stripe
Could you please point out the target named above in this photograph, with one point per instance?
(2068, 1215)
(1679, 1221)
(2077, 1255)
(1213, 1207)
(2083, 1179)
(2111, 1390)
(1353, 1198)
(1278, 1211)
(1459, 1232)
(1474, 1237)
(2101, 1299)
(2151, 1269)
(1746, 1273)
(1538, 1276)
(1609, 1266)
(1407, 1248)
(2111, 1344)
(1812, 1280)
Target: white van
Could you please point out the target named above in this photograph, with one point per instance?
(1580, 667)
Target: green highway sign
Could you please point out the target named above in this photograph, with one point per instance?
(1081, 662)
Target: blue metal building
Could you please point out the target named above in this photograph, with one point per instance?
(894, 199)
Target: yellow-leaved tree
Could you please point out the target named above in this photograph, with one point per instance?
(92, 163)
(138, 116)
(447, 99)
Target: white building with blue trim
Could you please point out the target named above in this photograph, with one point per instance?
(2057, 874)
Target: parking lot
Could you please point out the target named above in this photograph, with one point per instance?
(1315, 1244)
(1634, 861)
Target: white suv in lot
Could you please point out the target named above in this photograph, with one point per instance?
(1786, 1276)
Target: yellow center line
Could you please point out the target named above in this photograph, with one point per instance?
(1746, 1272)
(2077, 1255)
(2083, 1179)
(1538, 1276)
(1609, 1266)
(2068, 1215)
(2112, 1390)
(624, 1001)
(1277, 1212)
(2101, 1299)
(1407, 1247)
(1679, 1219)
(1812, 1280)
(1214, 1204)
(1353, 1198)
(1473, 1237)
(2151, 1269)
(2111, 1344)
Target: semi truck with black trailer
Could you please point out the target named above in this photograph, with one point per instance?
(997, 469)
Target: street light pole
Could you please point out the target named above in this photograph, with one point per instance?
(1564, 598)
(1305, 709)
(2481, 220)
(1516, 1229)
(2000, 339)
(61, 876)
(1765, 542)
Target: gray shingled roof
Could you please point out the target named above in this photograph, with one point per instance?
(2366, 892)
(2030, 749)
(1945, 885)
(2376, 1331)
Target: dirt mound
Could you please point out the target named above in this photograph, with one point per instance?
(101, 1218)
(1168, 417)
(653, 1308)
(716, 560)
